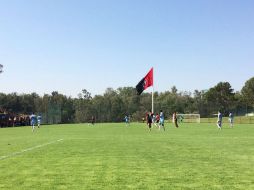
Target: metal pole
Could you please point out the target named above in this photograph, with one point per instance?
(152, 102)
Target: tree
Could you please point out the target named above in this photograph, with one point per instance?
(220, 97)
(248, 92)
(174, 90)
(83, 107)
(240, 106)
(99, 109)
(114, 104)
(129, 98)
(85, 95)
(199, 103)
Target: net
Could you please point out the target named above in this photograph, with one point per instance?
(188, 118)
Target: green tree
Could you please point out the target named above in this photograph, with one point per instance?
(199, 103)
(248, 92)
(220, 97)
(174, 90)
(83, 106)
(239, 106)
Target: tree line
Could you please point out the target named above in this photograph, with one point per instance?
(1, 68)
(114, 104)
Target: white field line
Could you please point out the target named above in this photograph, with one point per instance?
(28, 149)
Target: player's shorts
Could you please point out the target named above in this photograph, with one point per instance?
(149, 121)
(230, 120)
(157, 121)
(32, 122)
(39, 122)
(161, 121)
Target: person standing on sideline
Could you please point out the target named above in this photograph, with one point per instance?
(231, 119)
(219, 121)
(33, 121)
(161, 124)
(175, 119)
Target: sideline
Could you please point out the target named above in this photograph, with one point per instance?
(28, 149)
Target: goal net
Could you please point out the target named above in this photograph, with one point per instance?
(188, 118)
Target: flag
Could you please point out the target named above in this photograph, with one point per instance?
(146, 82)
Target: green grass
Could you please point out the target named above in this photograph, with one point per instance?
(237, 120)
(112, 156)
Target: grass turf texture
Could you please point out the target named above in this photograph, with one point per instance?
(112, 156)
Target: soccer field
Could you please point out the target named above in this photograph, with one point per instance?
(112, 156)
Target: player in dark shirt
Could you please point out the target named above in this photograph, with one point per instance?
(149, 120)
(93, 120)
(175, 120)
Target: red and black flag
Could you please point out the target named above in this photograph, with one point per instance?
(146, 82)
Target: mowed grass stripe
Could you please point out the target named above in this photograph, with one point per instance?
(112, 156)
(28, 149)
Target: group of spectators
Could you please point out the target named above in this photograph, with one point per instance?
(9, 119)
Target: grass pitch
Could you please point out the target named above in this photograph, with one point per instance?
(112, 156)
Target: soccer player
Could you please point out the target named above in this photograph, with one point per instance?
(181, 118)
(157, 118)
(153, 118)
(147, 113)
(219, 121)
(33, 121)
(149, 120)
(231, 119)
(127, 121)
(93, 120)
(175, 119)
(39, 121)
(161, 124)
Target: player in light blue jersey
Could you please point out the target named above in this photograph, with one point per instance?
(127, 120)
(219, 121)
(33, 121)
(39, 120)
(162, 118)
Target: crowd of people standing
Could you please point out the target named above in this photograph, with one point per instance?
(9, 119)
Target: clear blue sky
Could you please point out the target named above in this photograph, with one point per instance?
(72, 45)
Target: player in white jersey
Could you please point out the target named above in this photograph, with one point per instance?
(231, 119)
(162, 118)
(33, 121)
(219, 121)
(39, 121)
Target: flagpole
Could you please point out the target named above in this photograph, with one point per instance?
(153, 93)
(152, 101)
